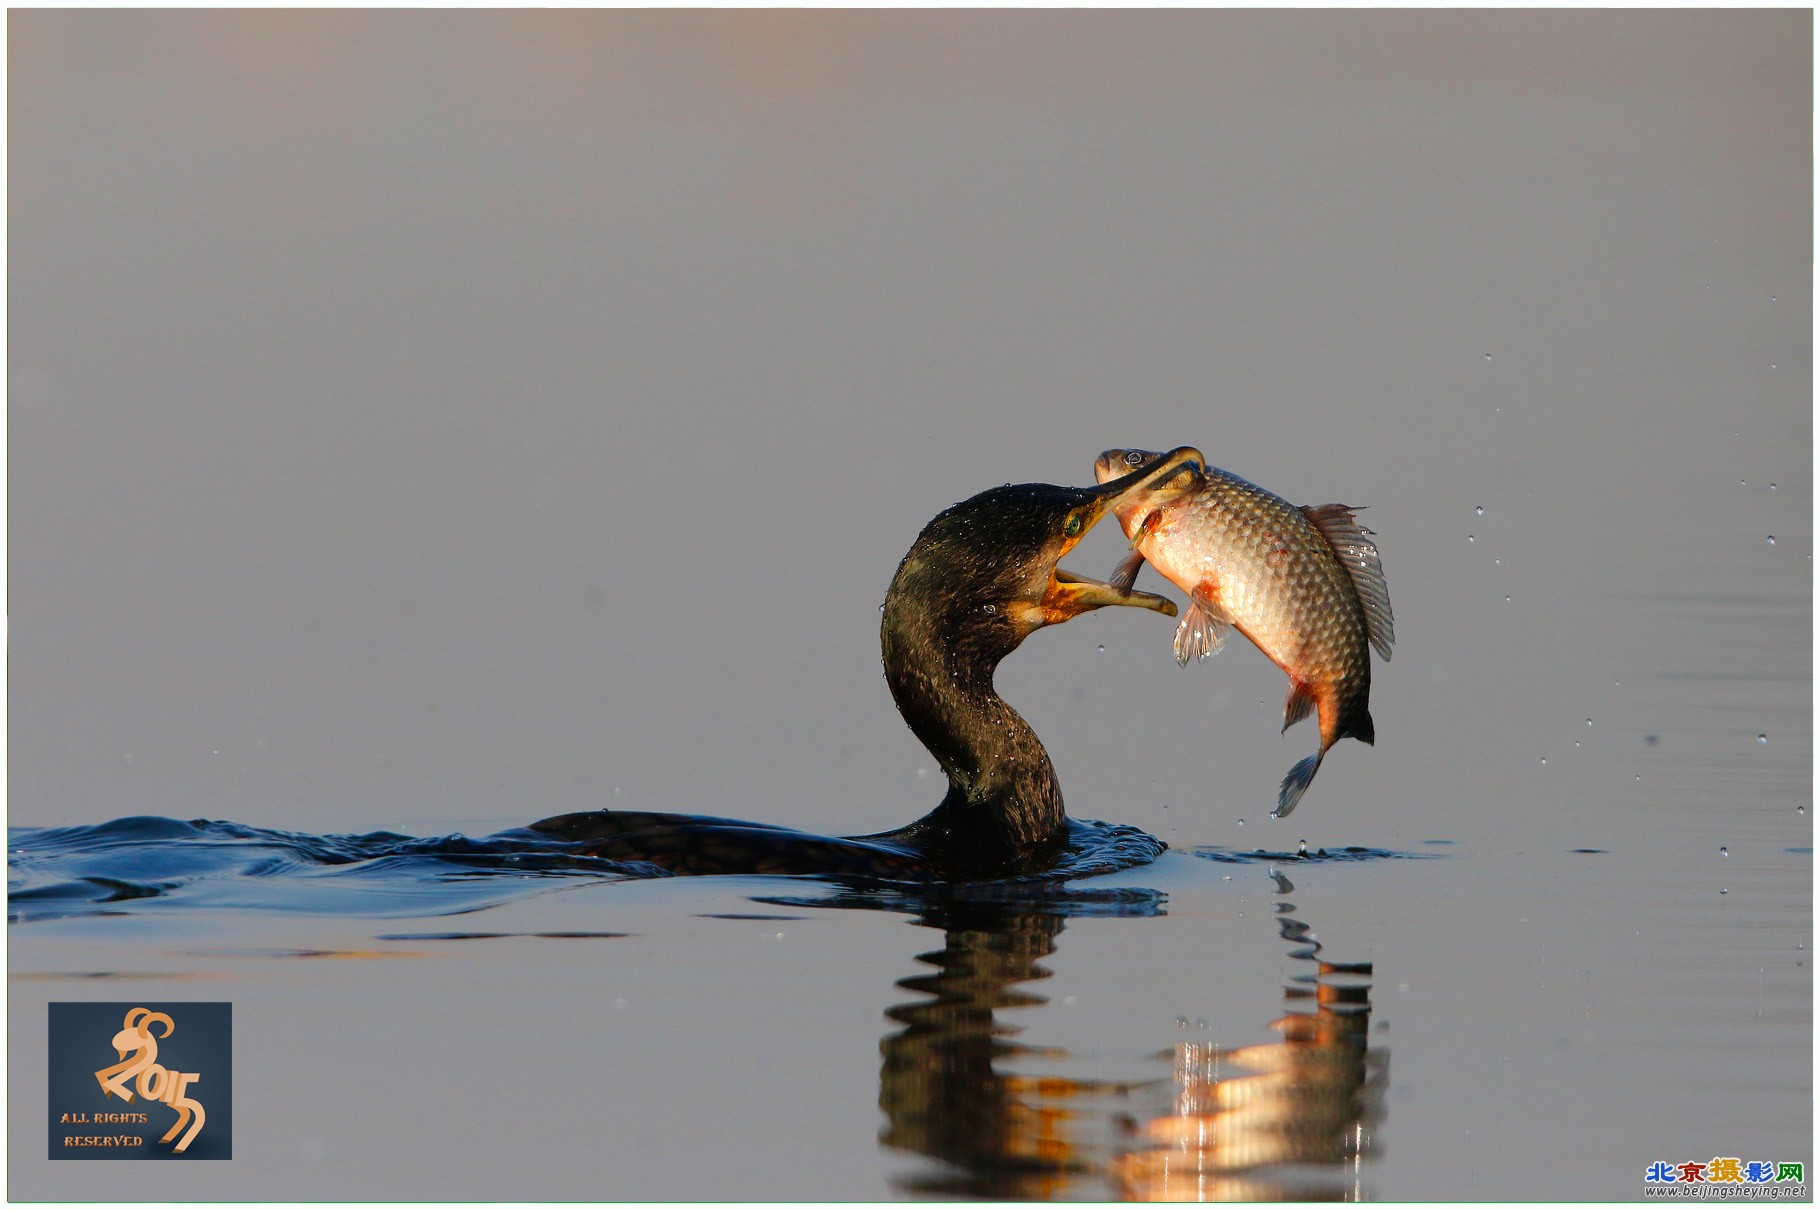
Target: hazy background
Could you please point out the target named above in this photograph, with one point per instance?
(438, 420)
(427, 416)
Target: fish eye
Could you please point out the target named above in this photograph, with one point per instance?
(1134, 459)
(1073, 526)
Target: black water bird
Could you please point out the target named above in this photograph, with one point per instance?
(980, 578)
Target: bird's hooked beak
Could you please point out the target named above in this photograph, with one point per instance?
(1069, 594)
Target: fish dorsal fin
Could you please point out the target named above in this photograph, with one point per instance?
(1359, 556)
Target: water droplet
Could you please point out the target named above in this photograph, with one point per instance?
(990, 608)
(1652, 740)
(1488, 357)
(1723, 891)
(1763, 739)
(1723, 852)
(1102, 649)
(1801, 810)
(1507, 600)
(1772, 298)
(1742, 483)
(1772, 539)
(1545, 760)
(1772, 487)
(1470, 538)
(1479, 510)
(881, 607)
(1589, 722)
(1241, 823)
(1497, 562)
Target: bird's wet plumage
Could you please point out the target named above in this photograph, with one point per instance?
(1304, 584)
(979, 579)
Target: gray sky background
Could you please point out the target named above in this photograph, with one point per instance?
(426, 417)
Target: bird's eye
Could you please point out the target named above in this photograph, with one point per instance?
(1134, 459)
(1073, 526)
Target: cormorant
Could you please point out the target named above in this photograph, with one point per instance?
(978, 580)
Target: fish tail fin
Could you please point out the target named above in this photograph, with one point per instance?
(1295, 782)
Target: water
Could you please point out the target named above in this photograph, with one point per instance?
(988, 1118)
(426, 423)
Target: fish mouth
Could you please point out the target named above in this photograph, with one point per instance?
(1116, 463)
(1181, 459)
(1069, 594)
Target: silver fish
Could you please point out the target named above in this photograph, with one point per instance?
(1304, 584)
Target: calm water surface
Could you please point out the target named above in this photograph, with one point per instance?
(421, 424)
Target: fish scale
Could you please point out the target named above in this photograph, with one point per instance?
(1275, 573)
(1303, 584)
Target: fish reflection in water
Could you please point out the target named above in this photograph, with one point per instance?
(1312, 1100)
(1288, 1119)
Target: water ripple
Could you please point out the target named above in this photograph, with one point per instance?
(1346, 853)
(213, 864)
(159, 864)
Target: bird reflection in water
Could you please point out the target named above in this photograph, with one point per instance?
(1288, 1119)
(944, 1090)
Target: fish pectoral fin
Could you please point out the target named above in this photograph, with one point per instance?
(1125, 574)
(1148, 526)
(1300, 702)
(1203, 628)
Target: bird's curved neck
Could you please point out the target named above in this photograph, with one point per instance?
(1003, 803)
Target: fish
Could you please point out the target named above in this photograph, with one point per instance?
(1305, 584)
